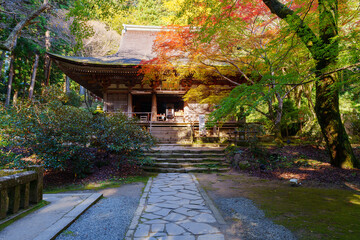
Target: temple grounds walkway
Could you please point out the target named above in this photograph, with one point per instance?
(173, 206)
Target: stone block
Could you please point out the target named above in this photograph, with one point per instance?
(14, 199)
(4, 203)
(36, 186)
(24, 195)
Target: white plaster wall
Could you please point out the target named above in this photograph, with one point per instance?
(193, 110)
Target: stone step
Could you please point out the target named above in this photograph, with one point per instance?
(190, 160)
(187, 165)
(190, 151)
(187, 155)
(184, 170)
(177, 158)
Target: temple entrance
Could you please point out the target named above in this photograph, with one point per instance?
(170, 108)
(142, 103)
(167, 108)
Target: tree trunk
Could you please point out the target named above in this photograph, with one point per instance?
(11, 76)
(67, 84)
(324, 49)
(2, 60)
(328, 115)
(9, 43)
(15, 97)
(327, 94)
(277, 124)
(33, 76)
(47, 64)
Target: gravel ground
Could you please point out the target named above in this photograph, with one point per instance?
(248, 222)
(109, 218)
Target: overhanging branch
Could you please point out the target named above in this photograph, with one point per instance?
(305, 33)
(9, 43)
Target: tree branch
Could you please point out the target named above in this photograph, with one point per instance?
(12, 13)
(222, 75)
(258, 110)
(305, 33)
(340, 69)
(9, 43)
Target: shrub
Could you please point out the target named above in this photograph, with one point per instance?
(63, 136)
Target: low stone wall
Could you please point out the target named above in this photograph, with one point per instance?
(17, 191)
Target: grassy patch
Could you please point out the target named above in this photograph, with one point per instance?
(309, 212)
(41, 204)
(111, 183)
(322, 213)
(69, 233)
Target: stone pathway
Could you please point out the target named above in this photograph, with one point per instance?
(173, 208)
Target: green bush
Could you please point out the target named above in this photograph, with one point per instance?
(66, 137)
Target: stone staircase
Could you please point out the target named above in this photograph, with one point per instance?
(176, 158)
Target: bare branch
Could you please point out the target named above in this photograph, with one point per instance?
(9, 43)
(340, 69)
(237, 67)
(222, 75)
(12, 13)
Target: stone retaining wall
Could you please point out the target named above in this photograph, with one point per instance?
(19, 190)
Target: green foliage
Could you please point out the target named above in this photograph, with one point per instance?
(66, 137)
(206, 94)
(72, 99)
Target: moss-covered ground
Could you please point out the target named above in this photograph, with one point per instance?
(310, 211)
(111, 183)
(41, 204)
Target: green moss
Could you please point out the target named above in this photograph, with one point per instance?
(312, 213)
(8, 173)
(69, 233)
(113, 183)
(41, 204)
(307, 162)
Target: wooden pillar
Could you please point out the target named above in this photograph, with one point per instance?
(130, 106)
(105, 108)
(153, 107)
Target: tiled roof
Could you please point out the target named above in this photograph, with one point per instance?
(136, 45)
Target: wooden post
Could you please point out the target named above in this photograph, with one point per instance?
(105, 102)
(153, 107)
(129, 102)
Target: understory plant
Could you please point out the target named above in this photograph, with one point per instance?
(65, 137)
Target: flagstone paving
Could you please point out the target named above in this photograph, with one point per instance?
(173, 208)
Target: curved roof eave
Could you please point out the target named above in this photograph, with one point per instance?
(96, 61)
